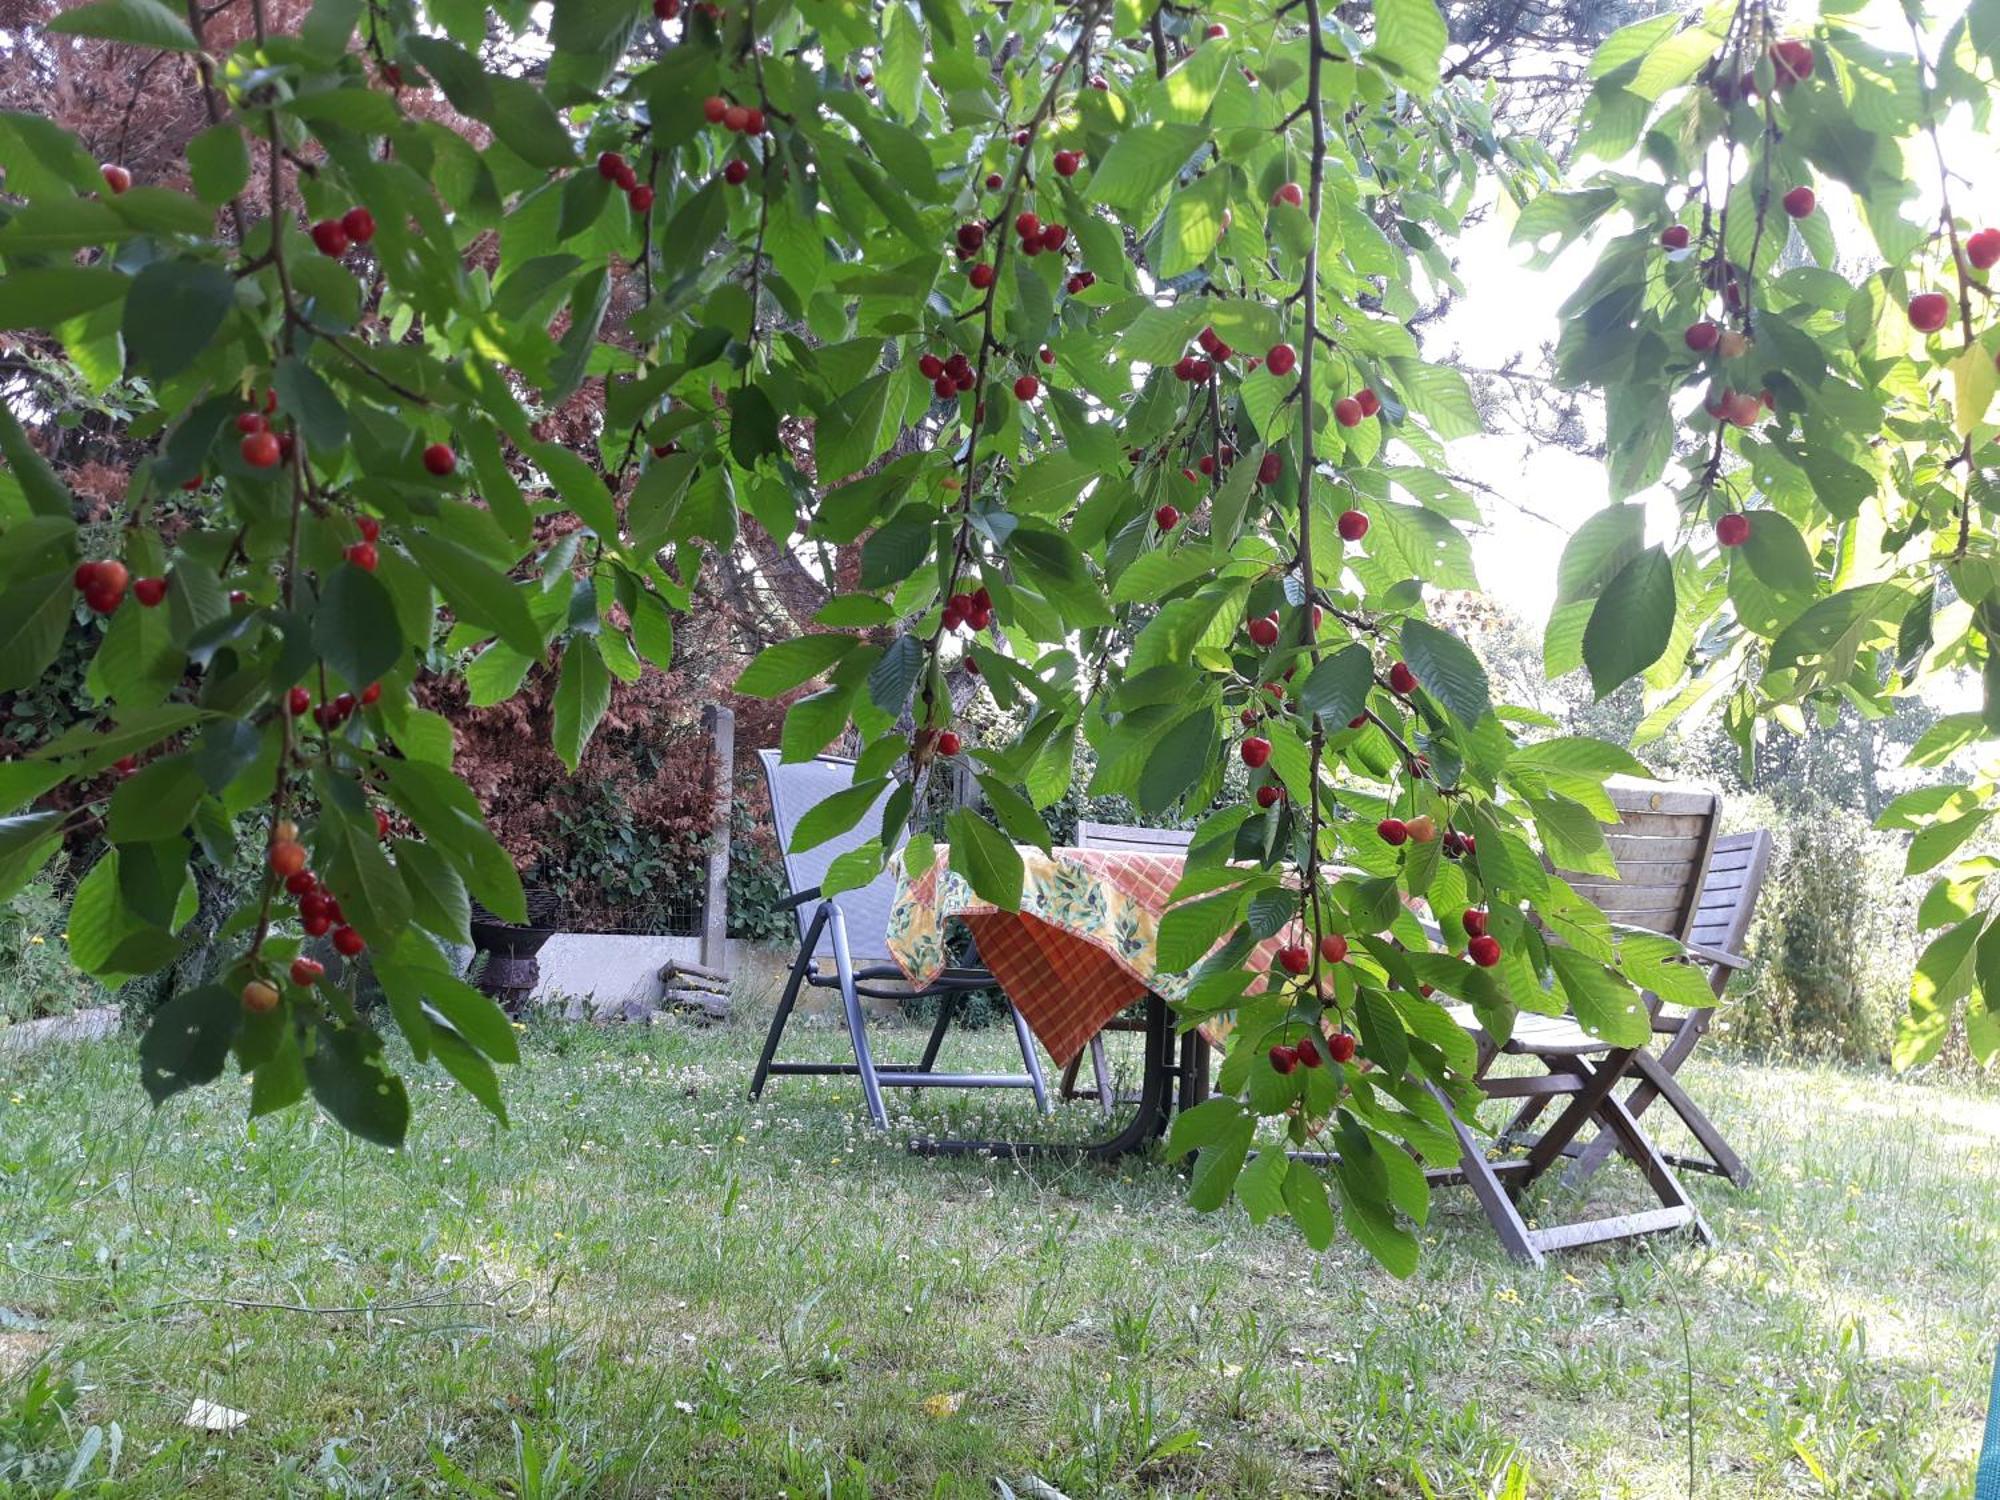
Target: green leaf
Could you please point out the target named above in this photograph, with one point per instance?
(1221, 1162)
(583, 693)
(1447, 670)
(220, 162)
(1606, 541)
(1178, 760)
(1142, 160)
(786, 665)
(891, 679)
(1778, 555)
(34, 615)
(1410, 40)
(477, 592)
(1943, 977)
(172, 311)
(145, 23)
(43, 298)
(986, 859)
(46, 494)
(188, 1041)
(1631, 622)
(1604, 1004)
(355, 627)
(354, 1084)
(312, 404)
(832, 816)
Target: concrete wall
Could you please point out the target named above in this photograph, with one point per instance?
(597, 974)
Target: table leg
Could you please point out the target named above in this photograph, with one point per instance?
(1150, 1120)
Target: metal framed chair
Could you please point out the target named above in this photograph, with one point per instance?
(849, 933)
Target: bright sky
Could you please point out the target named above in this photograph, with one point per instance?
(1509, 311)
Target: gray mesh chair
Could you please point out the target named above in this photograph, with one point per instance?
(849, 932)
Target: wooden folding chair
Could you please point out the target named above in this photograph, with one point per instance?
(1140, 841)
(851, 931)
(1662, 846)
(1737, 865)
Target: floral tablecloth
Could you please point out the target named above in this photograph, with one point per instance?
(1081, 948)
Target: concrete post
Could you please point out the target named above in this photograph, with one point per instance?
(720, 723)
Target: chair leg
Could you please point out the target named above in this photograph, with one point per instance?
(947, 1008)
(1657, 1081)
(1485, 1184)
(1034, 1063)
(843, 964)
(785, 1003)
(1100, 1067)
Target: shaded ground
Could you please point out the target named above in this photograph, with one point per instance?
(649, 1286)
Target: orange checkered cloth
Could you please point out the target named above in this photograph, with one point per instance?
(1081, 948)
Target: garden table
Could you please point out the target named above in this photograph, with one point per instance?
(1081, 949)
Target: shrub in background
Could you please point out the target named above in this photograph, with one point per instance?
(36, 977)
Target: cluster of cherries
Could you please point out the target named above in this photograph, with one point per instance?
(1195, 369)
(103, 584)
(319, 909)
(336, 236)
(948, 376)
(1304, 1053)
(616, 170)
(972, 611)
(336, 711)
(737, 119)
(362, 553)
(261, 447)
(1352, 411)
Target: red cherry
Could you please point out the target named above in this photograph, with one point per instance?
(1269, 468)
(1267, 796)
(330, 238)
(736, 171)
(371, 693)
(115, 178)
(299, 882)
(1020, 137)
(736, 117)
(641, 199)
(1027, 224)
(1166, 518)
(666, 10)
(315, 926)
(1347, 412)
(1207, 464)
(1393, 830)
(1255, 751)
(1370, 402)
(1290, 194)
(1216, 29)
(362, 555)
(439, 459)
(298, 700)
(1341, 1047)
(1308, 1053)
(359, 224)
(1026, 387)
(1929, 311)
(381, 825)
(369, 527)
(1474, 922)
(1732, 530)
(993, 181)
(191, 483)
(342, 705)
(981, 275)
(150, 591)
(125, 765)
(305, 971)
(944, 387)
(1054, 236)
(1793, 60)
(1353, 525)
(753, 122)
(1283, 1059)
(1799, 202)
(1282, 359)
(1333, 947)
(1701, 337)
(971, 236)
(1066, 163)
(260, 450)
(1046, 355)
(1676, 236)
(1983, 249)
(713, 108)
(347, 942)
(1264, 632)
(609, 163)
(930, 366)
(251, 421)
(1294, 959)
(102, 601)
(1402, 679)
(948, 743)
(1484, 951)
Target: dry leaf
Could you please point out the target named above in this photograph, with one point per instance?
(944, 1404)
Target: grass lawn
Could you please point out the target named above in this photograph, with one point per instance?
(649, 1286)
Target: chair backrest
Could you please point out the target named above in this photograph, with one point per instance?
(1130, 839)
(1661, 845)
(796, 789)
(1736, 870)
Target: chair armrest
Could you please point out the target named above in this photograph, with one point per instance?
(798, 898)
(1717, 956)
